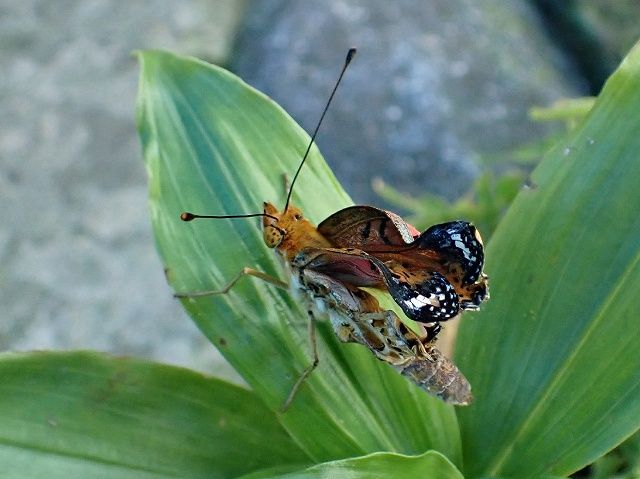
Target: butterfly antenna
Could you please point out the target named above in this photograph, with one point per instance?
(186, 216)
(350, 54)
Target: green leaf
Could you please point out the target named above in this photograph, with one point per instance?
(85, 414)
(568, 109)
(212, 144)
(543, 476)
(431, 464)
(554, 358)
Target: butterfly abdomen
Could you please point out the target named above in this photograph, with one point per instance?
(438, 376)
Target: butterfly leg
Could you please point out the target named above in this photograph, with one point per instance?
(245, 272)
(313, 343)
(432, 329)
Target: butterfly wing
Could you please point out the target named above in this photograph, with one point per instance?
(453, 250)
(347, 265)
(459, 243)
(424, 296)
(366, 227)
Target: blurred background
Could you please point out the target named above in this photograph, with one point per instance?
(432, 120)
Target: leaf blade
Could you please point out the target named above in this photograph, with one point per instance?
(84, 414)
(555, 368)
(377, 465)
(234, 165)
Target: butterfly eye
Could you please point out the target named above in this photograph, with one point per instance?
(297, 217)
(273, 235)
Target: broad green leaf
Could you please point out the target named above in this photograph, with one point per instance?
(83, 414)
(555, 356)
(212, 144)
(272, 472)
(431, 464)
(543, 476)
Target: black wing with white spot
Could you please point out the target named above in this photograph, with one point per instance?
(459, 241)
(432, 299)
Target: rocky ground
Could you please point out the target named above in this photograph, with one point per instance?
(79, 269)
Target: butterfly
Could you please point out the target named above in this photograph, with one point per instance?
(433, 276)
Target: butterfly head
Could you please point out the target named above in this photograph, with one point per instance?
(277, 225)
(289, 231)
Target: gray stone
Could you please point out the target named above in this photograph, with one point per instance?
(435, 85)
(78, 262)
